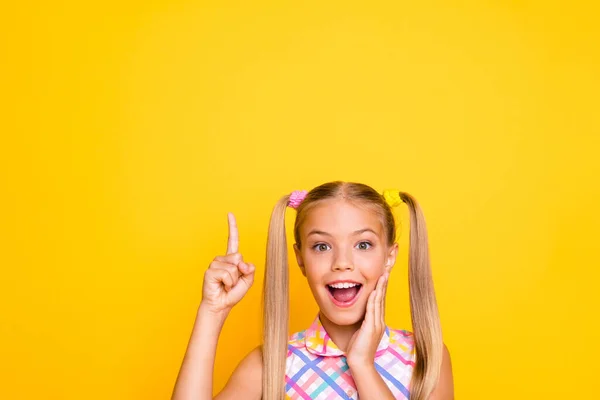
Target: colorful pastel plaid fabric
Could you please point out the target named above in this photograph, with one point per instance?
(316, 368)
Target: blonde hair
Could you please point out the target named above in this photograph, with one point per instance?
(424, 313)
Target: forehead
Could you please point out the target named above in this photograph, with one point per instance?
(338, 216)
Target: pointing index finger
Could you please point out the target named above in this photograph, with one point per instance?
(233, 240)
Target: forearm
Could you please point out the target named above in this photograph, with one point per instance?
(195, 379)
(369, 384)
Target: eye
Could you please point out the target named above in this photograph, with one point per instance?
(364, 245)
(320, 247)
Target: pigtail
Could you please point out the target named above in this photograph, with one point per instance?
(275, 306)
(423, 306)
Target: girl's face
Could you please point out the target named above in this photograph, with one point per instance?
(344, 252)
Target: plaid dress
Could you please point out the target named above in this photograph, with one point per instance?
(316, 368)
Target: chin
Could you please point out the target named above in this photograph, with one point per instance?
(346, 317)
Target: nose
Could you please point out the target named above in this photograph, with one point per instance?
(343, 261)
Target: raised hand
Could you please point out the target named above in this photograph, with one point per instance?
(364, 342)
(228, 277)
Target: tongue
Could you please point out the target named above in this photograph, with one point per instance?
(345, 295)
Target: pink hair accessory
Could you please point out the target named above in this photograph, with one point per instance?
(296, 198)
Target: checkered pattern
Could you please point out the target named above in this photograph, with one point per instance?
(316, 368)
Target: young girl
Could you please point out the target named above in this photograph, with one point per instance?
(345, 245)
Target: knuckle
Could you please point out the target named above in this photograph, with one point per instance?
(231, 275)
(221, 275)
(232, 270)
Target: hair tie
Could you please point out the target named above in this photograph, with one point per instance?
(296, 197)
(392, 197)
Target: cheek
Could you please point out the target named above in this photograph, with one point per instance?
(314, 274)
(372, 266)
(316, 268)
(316, 262)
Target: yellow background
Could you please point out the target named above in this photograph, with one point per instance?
(129, 129)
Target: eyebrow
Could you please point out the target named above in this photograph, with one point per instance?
(358, 232)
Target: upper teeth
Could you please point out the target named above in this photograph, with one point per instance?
(343, 285)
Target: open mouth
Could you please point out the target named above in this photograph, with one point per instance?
(344, 294)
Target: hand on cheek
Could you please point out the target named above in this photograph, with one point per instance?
(363, 344)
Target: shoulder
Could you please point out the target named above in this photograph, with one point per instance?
(297, 339)
(296, 345)
(246, 378)
(445, 387)
(401, 335)
(403, 342)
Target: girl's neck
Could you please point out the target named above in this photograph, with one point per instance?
(339, 334)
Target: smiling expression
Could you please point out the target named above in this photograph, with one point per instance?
(343, 246)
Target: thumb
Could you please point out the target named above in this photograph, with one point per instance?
(248, 274)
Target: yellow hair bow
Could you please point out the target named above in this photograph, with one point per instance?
(392, 197)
